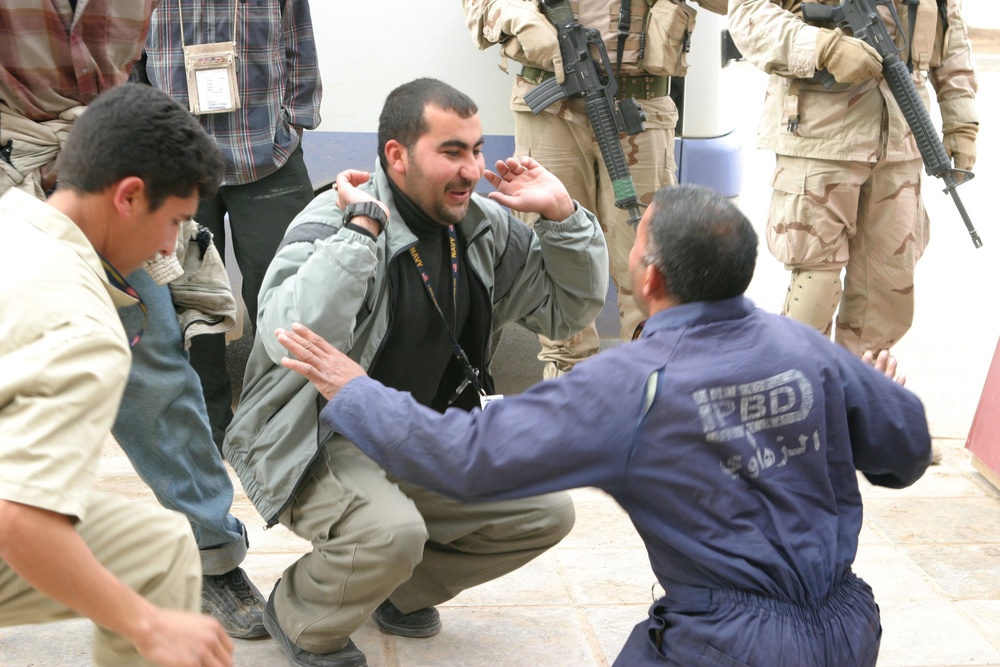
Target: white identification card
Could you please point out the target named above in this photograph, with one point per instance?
(213, 90)
(211, 78)
(485, 399)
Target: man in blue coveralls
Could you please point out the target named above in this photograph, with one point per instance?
(730, 436)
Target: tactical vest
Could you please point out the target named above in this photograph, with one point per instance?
(659, 33)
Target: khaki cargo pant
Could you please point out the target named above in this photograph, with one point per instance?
(564, 143)
(374, 538)
(865, 219)
(147, 547)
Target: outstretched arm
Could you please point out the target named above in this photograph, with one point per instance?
(888, 428)
(515, 448)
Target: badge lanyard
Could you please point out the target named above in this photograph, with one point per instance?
(471, 374)
(118, 281)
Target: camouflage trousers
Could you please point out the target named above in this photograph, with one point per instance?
(866, 220)
(564, 143)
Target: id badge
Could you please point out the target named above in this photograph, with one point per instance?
(486, 399)
(211, 78)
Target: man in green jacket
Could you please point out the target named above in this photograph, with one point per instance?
(410, 273)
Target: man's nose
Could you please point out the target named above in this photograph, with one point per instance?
(472, 168)
(169, 243)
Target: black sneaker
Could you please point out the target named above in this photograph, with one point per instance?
(234, 601)
(349, 656)
(424, 622)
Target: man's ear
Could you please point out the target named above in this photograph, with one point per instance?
(396, 157)
(653, 286)
(128, 195)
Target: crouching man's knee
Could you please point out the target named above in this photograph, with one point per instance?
(539, 522)
(384, 555)
(560, 518)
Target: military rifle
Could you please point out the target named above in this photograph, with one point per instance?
(865, 23)
(595, 83)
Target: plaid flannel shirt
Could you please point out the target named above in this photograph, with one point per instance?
(277, 75)
(52, 60)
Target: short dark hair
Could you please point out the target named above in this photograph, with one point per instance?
(701, 242)
(402, 116)
(137, 130)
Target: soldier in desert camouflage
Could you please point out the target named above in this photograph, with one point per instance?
(847, 182)
(561, 138)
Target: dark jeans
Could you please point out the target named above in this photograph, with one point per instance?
(259, 214)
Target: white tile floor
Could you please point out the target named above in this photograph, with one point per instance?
(931, 554)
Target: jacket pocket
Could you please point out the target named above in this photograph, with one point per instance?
(822, 112)
(668, 38)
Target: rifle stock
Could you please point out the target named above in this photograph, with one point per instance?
(866, 24)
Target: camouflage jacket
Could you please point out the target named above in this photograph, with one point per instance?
(858, 122)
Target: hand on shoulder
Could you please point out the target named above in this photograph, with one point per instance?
(349, 192)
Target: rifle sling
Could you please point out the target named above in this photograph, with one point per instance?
(911, 15)
(624, 23)
(942, 6)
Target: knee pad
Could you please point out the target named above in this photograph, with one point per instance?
(813, 297)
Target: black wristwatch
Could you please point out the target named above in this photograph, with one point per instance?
(369, 209)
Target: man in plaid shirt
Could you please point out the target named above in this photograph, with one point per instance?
(266, 183)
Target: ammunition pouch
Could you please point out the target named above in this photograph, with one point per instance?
(669, 25)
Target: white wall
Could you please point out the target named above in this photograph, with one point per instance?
(981, 13)
(368, 48)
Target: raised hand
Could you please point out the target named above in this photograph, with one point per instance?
(526, 186)
(348, 192)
